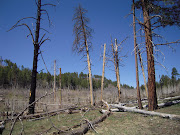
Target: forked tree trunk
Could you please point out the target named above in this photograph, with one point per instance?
(152, 97)
(35, 60)
(116, 66)
(102, 80)
(136, 62)
(117, 70)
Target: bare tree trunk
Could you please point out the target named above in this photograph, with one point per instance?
(117, 70)
(54, 88)
(152, 97)
(88, 61)
(136, 62)
(142, 67)
(90, 76)
(60, 90)
(35, 59)
(102, 80)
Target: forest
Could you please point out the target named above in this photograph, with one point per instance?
(14, 76)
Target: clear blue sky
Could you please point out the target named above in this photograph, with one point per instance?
(106, 18)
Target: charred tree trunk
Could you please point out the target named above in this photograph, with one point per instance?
(152, 97)
(35, 60)
(136, 62)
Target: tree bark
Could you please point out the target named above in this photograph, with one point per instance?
(54, 88)
(35, 60)
(90, 77)
(136, 62)
(60, 90)
(152, 97)
(102, 80)
(117, 70)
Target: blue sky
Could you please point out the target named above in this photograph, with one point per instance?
(107, 18)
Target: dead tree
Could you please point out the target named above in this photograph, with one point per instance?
(142, 68)
(136, 62)
(37, 42)
(115, 59)
(60, 90)
(102, 80)
(82, 42)
(117, 70)
(54, 88)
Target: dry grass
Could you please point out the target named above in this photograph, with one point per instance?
(118, 123)
(61, 121)
(125, 123)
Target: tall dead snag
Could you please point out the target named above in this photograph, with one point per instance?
(142, 68)
(54, 88)
(82, 42)
(35, 60)
(136, 62)
(117, 70)
(102, 80)
(60, 90)
(37, 44)
(152, 97)
(116, 64)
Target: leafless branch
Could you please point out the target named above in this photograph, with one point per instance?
(47, 15)
(175, 42)
(21, 20)
(44, 41)
(23, 24)
(45, 30)
(48, 4)
(44, 61)
(123, 40)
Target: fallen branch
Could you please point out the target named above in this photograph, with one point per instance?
(85, 127)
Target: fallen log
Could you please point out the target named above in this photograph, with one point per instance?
(168, 103)
(161, 105)
(172, 98)
(111, 110)
(85, 127)
(152, 113)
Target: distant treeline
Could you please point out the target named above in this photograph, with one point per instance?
(166, 81)
(12, 76)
